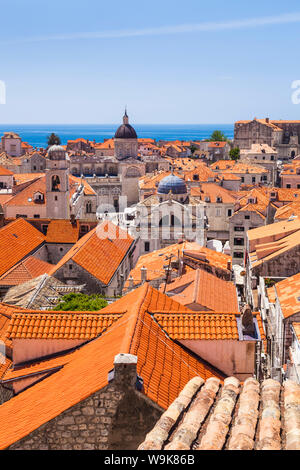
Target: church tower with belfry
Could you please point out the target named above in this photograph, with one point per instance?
(57, 184)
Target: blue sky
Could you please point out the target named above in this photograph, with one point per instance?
(169, 61)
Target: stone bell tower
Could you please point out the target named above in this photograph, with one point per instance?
(57, 184)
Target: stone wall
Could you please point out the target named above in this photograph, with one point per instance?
(5, 394)
(285, 265)
(115, 418)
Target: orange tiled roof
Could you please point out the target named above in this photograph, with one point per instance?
(62, 231)
(17, 240)
(26, 270)
(202, 326)
(266, 251)
(108, 144)
(243, 168)
(213, 191)
(289, 210)
(222, 165)
(25, 197)
(59, 325)
(21, 178)
(217, 144)
(74, 181)
(4, 198)
(36, 368)
(155, 261)
(202, 288)
(164, 366)
(288, 293)
(5, 172)
(99, 256)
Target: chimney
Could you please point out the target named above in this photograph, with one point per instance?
(124, 373)
(168, 271)
(143, 274)
(267, 120)
(130, 281)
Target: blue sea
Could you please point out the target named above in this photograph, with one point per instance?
(36, 134)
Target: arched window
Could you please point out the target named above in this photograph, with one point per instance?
(55, 183)
(88, 207)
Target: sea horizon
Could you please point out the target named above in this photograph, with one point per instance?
(36, 134)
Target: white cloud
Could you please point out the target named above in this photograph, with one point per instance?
(166, 30)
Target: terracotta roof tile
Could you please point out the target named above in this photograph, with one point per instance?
(17, 240)
(62, 231)
(100, 251)
(200, 326)
(288, 294)
(208, 416)
(163, 364)
(27, 269)
(59, 325)
(5, 172)
(205, 289)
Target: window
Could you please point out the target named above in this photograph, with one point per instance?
(36, 216)
(84, 228)
(238, 254)
(70, 267)
(229, 212)
(218, 212)
(242, 179)
(88, 207)
(147, 246)
(288, 185)
(239, 229)
(253, 179)
(238, 241)
(44, 229)
(247, 217)
(298, 186)
(55, 183)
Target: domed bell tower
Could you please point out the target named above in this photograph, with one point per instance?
(57, 184)
(126, 140)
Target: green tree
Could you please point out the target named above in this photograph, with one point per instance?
(193, 148)
(217, 136)
(81, 302)
(234, 153)
(53, 139)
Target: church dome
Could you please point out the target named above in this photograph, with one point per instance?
(172, 183)
(125, 131)
(56, 152)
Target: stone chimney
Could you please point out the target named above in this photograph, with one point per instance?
(143, 274)
(125, 370)
(267, 120)
(130, 282)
